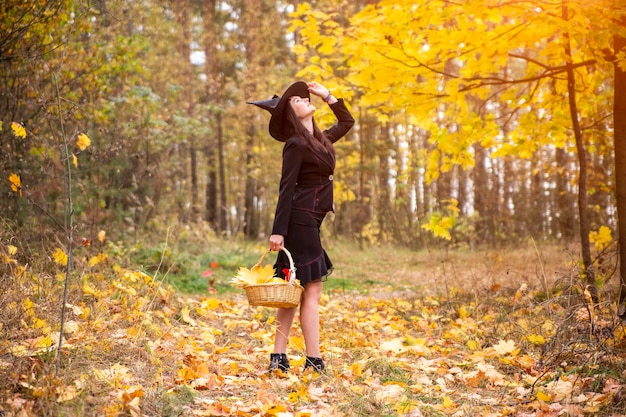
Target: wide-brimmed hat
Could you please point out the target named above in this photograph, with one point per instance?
(276, 107)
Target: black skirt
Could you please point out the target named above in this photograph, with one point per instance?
(304, 244)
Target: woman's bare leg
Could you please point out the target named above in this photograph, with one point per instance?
(284, 320)
(310, 318)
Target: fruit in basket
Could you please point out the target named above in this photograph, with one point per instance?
(255, 276)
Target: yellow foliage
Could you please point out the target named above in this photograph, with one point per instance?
(95, 260)
(16, 183)
(296, 342)
(472, 345)
(536, 339)
(18, 130)
(440, 226)
(184, 315)
(60, 257)
(464, 312)
(542, 396)
(447, 402)
(255, 276)
(602, 238)
(83, 141)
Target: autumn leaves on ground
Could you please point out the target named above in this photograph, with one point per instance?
(431, 332)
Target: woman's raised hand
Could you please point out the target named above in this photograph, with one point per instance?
(318, 89)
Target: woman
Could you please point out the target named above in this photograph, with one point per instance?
(305, 196)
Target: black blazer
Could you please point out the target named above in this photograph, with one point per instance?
(307, 175)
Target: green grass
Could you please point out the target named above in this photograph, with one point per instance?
(355, 269)
(182, 261)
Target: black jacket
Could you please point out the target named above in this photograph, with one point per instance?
(307, 175)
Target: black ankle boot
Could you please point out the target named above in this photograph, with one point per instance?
(316, 363)
(279, 361)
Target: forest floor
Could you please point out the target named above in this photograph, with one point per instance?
(404, 333)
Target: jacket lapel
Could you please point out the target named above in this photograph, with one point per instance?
(326, 158)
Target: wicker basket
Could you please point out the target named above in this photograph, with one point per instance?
(283, 294)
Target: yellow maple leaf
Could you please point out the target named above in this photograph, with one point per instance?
(274, 409)
(464, 312)
(254, 276)
(296, 342)
(472, 345)
(41, 324)
(357, 368)
(16, 183)
(27, 304)
(210, 304)
(60, 257)
(184, 315)
(83, 141)
(536, 339)
(95, 260)
(89, 290)
(18, 130)
(101, 236)
(33, 347)
(542, 396)
(12, 250)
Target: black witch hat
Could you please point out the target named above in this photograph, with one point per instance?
(276, 107)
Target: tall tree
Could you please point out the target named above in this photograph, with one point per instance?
(251, 18)
(619, 117)
(209, 18)
(583, 209)
(183, 13)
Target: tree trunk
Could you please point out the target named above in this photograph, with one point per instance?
(564, 205)
(481, 194)
(619, 120)
(184, 20)
(401, 198)
(415, 145)
(210, 50)
(223, 221)
(384, 200)
(251, 16)
(582, 173)
(534, 216)
(193, 168)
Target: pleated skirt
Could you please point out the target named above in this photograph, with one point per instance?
(304, 243)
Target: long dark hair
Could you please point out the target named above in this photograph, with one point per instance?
(316, 141)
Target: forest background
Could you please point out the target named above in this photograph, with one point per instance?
(124, 127)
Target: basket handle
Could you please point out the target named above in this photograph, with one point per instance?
(292, 265)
